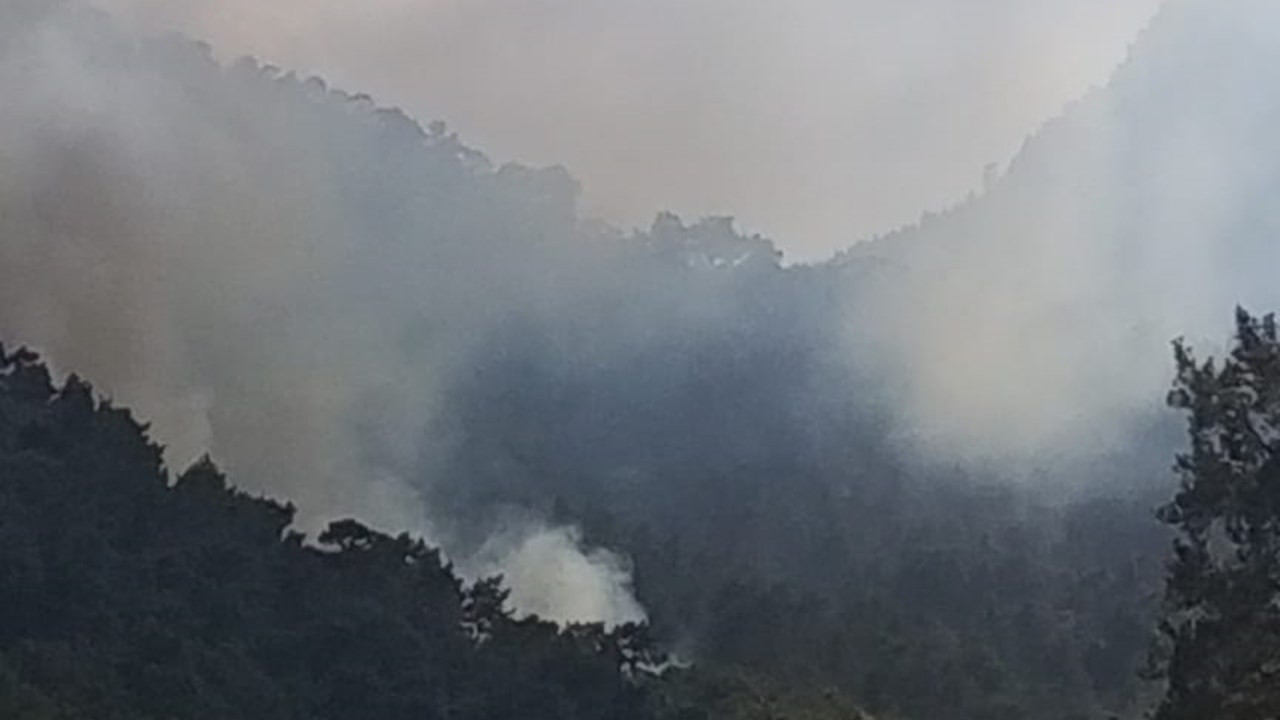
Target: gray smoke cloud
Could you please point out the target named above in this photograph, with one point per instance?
(1033, 322)
(816, 122)
(373, 319)
(201, 242)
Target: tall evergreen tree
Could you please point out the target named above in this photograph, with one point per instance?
(1220, 648)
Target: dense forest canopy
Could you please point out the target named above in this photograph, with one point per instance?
(934, 456)
(1220, 633)
(129, 594)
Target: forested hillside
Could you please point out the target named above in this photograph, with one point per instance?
(921, 476)
(129, 594)
(126, 597)
(1143, 212)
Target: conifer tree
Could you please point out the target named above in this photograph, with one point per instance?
(1220, 635)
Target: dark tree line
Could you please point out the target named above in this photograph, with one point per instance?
(683, 399)
(128, 595)
(1220, 653)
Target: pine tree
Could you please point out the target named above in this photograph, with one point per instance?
(1220, 635)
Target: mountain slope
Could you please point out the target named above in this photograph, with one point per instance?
(366, 315)
(1033, 321)
(126, 597)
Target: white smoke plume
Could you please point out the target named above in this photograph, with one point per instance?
(301, 283)
(194, 239)
(551, 576)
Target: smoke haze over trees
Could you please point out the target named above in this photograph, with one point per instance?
(127, 595)
(932, 456)
(817, 122)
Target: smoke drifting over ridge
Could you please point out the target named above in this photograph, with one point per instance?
(371, 319)
(200, 242)
(817, 122)
(1041, 312)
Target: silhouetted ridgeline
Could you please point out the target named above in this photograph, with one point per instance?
(920, 475)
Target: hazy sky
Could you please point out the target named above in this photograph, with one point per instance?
(817, 122)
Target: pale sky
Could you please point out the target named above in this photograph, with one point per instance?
(816, 122)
